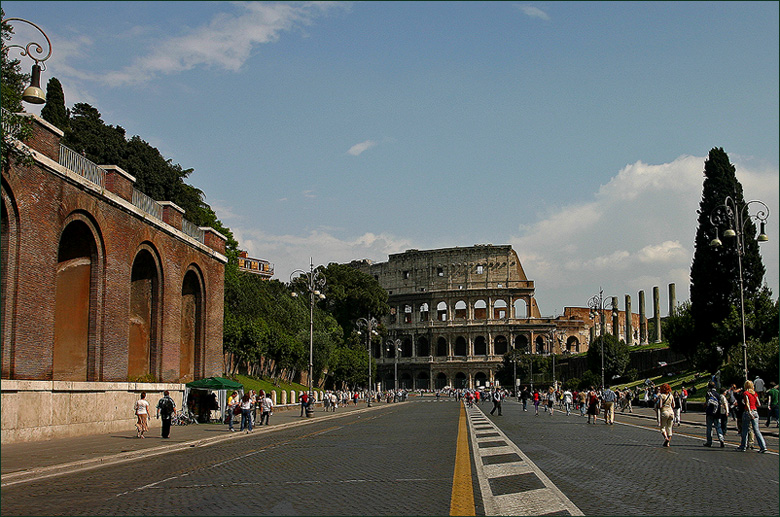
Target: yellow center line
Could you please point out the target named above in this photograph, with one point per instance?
(462, 502)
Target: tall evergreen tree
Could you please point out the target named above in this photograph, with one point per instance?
(714, 271)
(54, 111)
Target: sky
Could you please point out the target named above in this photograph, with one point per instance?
(574, 131)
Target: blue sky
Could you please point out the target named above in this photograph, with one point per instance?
(574, 131)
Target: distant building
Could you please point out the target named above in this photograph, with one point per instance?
(255, 266)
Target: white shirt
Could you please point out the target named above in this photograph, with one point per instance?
(567, 397)
(142, 407)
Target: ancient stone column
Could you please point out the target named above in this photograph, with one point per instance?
(629, 326)
(284, 397)
(657, 314)
(615, 317)
(672, 299)
(642, 319)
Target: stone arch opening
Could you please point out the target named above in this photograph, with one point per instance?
(424, 312)
(461, 312)
(500, 345)
(441, 347)
(192, 326)
(539, 345)
(521, 344)
(423, 347)
(441, 311)
(521, 308)
(9, 271)
(75, 313)
(423, 381)
(405, 382)
(144, 354)
(480, 346)
(480, 380)
(500, 310)
(461, 381)
(461, 346)
(441, 381)
(406, 347)
(573, 345)
(407, 313)
(480, 310)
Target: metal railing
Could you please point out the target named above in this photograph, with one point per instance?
(72, 160)
(147, 204)
(192, 230)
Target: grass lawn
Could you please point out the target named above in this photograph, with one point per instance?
(687, 379)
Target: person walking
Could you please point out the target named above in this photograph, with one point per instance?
(758, 387)
(232, 401)
(684, 399)
(750, 418)
(166, 407)
(567, 399)
(677, 407)
(141, 411)
(582, 401)
(266, 409)
(496, 402)
(666, 402)
(593, 405)
(246, 413)
(537, 400)
(524, 396)
(712, 414)
(608, 398)
(724, 410)
(304, 402)
(774, 404)
(551, 399)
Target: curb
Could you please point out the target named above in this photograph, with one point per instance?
(35, 474)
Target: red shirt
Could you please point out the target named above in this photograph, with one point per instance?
(752, 400)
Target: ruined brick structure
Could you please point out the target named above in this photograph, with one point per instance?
(101, 284)
(457, 311)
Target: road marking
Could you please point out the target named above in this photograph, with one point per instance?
(510, 483)
(462, 501)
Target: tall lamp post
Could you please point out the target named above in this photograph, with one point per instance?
(735, 218)
(370, 325)
(33, 93)
(560, 335)
(597, 305)
(395, 345)
(315, 283)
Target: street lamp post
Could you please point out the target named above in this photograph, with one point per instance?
(597, 305)
(315, 283)
(396, 346)
(370, 325)
(33, 93)
(736, 217)
(560, 335)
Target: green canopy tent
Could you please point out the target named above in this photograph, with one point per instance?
(219, 385)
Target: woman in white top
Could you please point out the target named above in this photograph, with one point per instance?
(142, 413)
(666, 411)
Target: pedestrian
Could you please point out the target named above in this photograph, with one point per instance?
(724, 410)
(608, 399)
(677, 406)
(684, 399)
(496, 402)
(750, 418)
(567, 399)
(537, 399)
(774, 404)
(593, 405)
(166, 407)
(334, 402)
(551, 399)
(246, 413)
(582, 401)
(326, 401)
(524, 396)
(141, 411)
(758, 386)
(304, 402)
(266, 409)
(666, 403)
(232, 401)
(712, 414)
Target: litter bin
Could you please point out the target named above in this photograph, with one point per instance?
(309, 410)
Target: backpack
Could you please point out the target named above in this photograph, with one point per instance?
(713, 404)
(166, 406)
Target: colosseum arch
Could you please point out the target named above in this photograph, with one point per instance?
(500, 345)
(422, 382)
(480, 346)
(424, 312)
(441, 347)
(441, 381)
(500, 310)
(441, 311)
(144, 353)
(521, 308)
(480, 380)
(540, 345)
(521, 344)
(77, 293)
(573, 345)
(406, 347)
(461, 381)
(461, 311)
(423, 347)
(480, 310)
(461, 346)
(192, 325)
(9, 271)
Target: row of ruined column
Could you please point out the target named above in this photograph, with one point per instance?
(643, 337)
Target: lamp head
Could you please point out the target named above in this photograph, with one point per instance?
(762, 236)
(33, 93)
(729, 234)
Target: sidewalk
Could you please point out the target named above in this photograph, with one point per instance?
(27, 461)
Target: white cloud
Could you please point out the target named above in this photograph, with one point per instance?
(637, 233)
(533, 12)
(358, 149)
(226, 42)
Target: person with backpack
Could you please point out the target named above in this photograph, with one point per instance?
(166, 407)
(712, 413)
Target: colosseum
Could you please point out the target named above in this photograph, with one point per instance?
(455, 313)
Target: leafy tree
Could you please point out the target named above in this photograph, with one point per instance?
(352, 294)
(54, 111)
(679, 331)
(616, 357)
(349, 368)
(714, 271)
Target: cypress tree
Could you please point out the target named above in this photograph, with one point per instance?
(715, 271)
(54, 111)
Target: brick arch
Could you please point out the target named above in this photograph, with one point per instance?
(192, 331)
(80, 278)
(9, 274)
(145, 314)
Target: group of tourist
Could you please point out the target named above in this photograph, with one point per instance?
(248, 406)
(166, 407)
